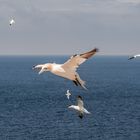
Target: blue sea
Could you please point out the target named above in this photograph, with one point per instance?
(35, 107)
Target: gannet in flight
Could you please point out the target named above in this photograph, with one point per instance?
(68, 69)
(80, 107)
(68, 94)
(12, 21)
(138, 55)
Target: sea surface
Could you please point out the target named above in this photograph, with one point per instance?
(35, 107)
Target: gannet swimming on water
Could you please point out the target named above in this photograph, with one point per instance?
(68, 69)
(80, 107)
(68, 94)
(138, 55)
(12, 21)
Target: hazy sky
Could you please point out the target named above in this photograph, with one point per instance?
(70, 26)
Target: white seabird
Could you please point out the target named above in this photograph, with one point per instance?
(68, 69)
(68, 94)
(80, 107)
(138, 55)
(12, 21)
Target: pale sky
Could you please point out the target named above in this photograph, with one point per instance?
(46, 27)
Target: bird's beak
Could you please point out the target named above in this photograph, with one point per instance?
(41, 71)
(38, 67)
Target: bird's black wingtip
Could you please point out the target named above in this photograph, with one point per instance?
(80, 116)
(130, 58)
(96, 49)
(79, 97)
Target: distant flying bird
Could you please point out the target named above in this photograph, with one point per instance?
(68, 69)
(138, 55)
(12, 21)
(68, 94)
(80, 107)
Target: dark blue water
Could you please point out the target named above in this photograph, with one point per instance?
(34, 107)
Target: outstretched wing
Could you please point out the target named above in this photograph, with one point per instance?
(138, 55)
(85, 111)
(80, 102)
(76, 60)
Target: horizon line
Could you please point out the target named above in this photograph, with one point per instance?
(60, 55)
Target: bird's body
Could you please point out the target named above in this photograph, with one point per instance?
(68, 69)
(138, 55)
(12, 21)
(58, 70)
(80, 107)
(68, 94)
